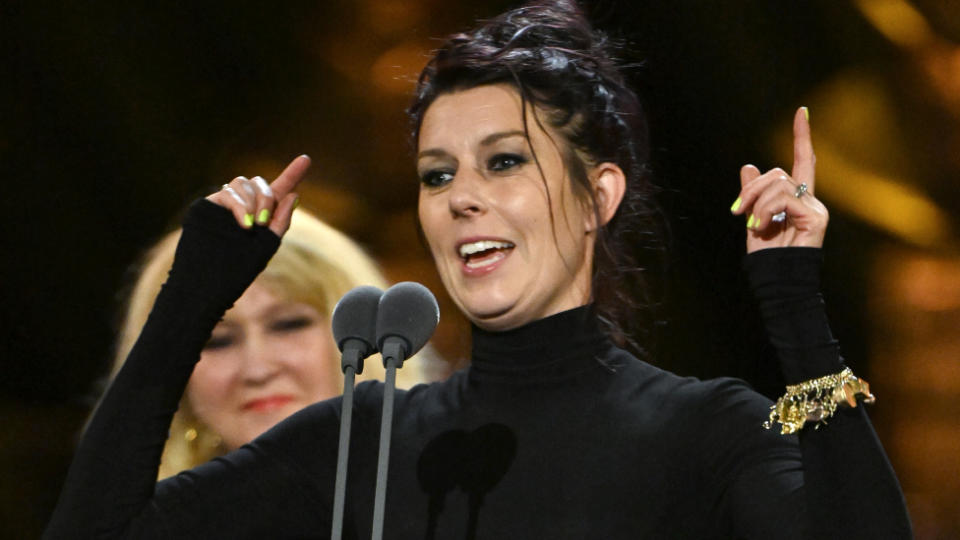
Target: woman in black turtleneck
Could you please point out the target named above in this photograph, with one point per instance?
(534, 199)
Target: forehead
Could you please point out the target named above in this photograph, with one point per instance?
(260, 300)
(468, 116)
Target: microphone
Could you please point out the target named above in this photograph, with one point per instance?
(355, 326)
(406, 318)
(355, 331)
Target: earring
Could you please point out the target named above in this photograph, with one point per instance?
(207, 439)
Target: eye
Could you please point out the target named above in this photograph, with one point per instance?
(436, 177)
(221, 341)
(290, 324)
(504, 162)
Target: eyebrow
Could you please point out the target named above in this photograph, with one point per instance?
(486, 141)
(494, 137)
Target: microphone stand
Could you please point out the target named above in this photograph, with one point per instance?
(393, 355)
(351, 363)
(407, 315)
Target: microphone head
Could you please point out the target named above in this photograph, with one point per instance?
(410, 312)
(355, 317)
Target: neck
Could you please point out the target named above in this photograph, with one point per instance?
(555, 346)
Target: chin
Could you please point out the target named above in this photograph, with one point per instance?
(483, 310)
(498, 320)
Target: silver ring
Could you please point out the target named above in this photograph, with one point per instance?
(779, 217)
(801, 189)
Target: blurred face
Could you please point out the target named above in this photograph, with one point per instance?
(486, 210)
(267, 359)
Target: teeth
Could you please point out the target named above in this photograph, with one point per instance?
(487, 261)
(476, 247)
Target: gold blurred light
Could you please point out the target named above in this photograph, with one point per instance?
(349, 57)
(336, 206)
(895, 207)
(388, 17)
(897, 20)
(396, 70)
(929, 283)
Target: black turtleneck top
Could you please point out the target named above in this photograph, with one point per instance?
(552, 432)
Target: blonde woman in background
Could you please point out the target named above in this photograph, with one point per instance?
(273, 353)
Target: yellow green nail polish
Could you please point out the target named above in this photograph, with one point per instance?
(751, 221)
(263, 217)
(736, 205)
(806, 113)
(296, 202)
(248, 220)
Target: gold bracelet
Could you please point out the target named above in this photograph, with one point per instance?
(816, 400)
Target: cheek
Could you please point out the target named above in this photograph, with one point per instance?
(315, 362)
(427, 215)
(568, 209)
(554, 227)
(211, 383)
(524, 206)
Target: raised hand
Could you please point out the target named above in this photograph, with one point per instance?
(255, 201)
(781, 209)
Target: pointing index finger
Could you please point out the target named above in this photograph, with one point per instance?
(290, 177)
(804, 160)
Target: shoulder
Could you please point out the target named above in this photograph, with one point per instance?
(668, 386)
(300, 429)
(683, 399)
(368, 395)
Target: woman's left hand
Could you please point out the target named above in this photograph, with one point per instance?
(254, 200)
(781, 209)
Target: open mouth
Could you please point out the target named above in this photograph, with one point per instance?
(483, 253)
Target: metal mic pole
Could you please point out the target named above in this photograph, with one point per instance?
(354, 326)
(406, 318)
(392, 356)
(346, 417)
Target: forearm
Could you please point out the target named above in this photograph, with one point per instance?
(114, 470)
(850, 487)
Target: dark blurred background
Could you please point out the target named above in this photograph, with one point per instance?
(116, 114)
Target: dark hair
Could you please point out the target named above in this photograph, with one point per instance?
(560, 64)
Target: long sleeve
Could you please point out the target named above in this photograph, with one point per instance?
(850, 490)
(113, 474)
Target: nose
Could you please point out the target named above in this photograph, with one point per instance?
(465, 194)
(259, 363)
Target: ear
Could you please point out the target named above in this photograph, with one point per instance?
(609, 184)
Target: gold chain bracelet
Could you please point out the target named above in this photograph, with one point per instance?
(817, 399)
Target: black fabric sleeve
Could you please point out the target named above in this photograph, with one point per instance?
(113, 474)
(850, 489)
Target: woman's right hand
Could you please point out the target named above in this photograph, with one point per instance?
(255, 201)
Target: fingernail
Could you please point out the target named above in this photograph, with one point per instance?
(806, 113)
(296, 202)
(736, 205)
(248, 220)
(263, 217)
(751, 221)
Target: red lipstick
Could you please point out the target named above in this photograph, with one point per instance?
(268, 403)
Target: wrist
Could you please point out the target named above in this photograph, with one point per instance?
(781, 273)
(215, 257)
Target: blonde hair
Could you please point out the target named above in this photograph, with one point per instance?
(315, 265)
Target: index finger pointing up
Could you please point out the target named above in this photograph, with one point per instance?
(804, 160)
(290, 177)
